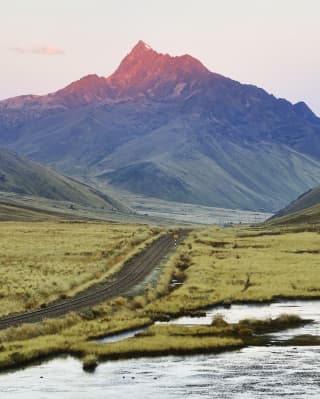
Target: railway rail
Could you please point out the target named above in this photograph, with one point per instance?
(133, 272)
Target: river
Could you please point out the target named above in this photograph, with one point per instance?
(254, 372)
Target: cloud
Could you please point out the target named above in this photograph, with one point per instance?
(43, 50)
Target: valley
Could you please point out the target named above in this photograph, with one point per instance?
(143, 213)
(192, 214)
(212, 266)
(160, 199)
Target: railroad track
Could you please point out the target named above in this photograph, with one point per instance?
(132, 273)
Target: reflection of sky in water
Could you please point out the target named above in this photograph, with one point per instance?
(121, 336)
(249, 373)
(305, 309)
(270, 372)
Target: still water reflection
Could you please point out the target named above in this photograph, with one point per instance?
(263, 372)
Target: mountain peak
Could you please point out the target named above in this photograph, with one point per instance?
(89, 89)
(303, 110)
(144, 71)
(140, 51)
(141, 46)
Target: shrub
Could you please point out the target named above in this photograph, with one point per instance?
(89, 363)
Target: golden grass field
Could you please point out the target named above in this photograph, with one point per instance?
(228, 265)
(214, 265)
(41, 262)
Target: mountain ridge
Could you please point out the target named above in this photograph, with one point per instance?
(27, 178)
(306, 200)
(168, 127)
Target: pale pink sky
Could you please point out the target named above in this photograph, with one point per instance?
(274, 44)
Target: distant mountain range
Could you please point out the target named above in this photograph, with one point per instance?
(169, 128)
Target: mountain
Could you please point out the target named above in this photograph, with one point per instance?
(303, 210)
(167, 127)
(304, 201)
(27, 178)
(309, 218)
(19, 212)
(144, 72)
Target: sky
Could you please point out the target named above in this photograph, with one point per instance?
(274, 44)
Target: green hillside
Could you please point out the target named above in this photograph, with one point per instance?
(308, 216)
(305, 209)
(27, 178)
(306, 200)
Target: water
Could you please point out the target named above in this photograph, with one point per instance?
(255, 372)
(305, 309)
(249, 373)
(121, 336)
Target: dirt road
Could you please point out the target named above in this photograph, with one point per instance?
(131, 274)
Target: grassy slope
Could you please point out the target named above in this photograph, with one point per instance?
(306, 200)
(304, 210)
(302, 217)
(216, 173)
(13, 212)
(22, 176)
(19, 210)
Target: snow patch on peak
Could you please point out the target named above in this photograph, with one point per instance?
(141, 45)
(147, 46)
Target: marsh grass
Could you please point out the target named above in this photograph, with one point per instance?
(301, 340)
(218, 266)
(156, 340)
(159, 345)
(89, 363)
(249, 267)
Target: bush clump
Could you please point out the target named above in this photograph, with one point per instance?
(89, 363)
